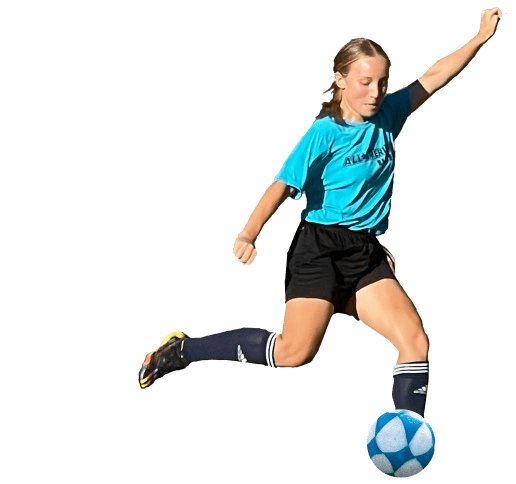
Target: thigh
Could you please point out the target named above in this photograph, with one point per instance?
(385, 307)
(306, 321)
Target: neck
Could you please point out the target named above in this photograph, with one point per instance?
(349, 114)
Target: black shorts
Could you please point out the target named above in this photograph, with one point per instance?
(332, 262)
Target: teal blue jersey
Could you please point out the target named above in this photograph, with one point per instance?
(347, 170)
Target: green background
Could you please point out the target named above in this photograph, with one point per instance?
(138, 137)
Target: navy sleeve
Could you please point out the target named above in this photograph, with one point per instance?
(396, 107)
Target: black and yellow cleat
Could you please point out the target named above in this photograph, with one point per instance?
(168, 357)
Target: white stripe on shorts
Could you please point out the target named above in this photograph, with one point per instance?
(390, 259)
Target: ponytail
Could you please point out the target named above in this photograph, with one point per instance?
(332, 108)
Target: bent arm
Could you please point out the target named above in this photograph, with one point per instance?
(273, 197)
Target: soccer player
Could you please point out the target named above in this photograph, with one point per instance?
(345, 166)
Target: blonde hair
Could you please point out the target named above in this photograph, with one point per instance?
(352, 51)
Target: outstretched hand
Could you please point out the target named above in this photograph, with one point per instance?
(489, 22)
(244, 249)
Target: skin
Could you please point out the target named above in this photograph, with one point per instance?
(383, 306)
(363, 88)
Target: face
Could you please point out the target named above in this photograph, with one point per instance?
(364, 88)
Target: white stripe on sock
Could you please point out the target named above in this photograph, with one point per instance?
(411, 368)
(269, 350)
(273, 346)
(412, 365)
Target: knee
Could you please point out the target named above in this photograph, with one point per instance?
(422, 344)
(415, 341)
(297, 360)
(290, 354)
(300, 359)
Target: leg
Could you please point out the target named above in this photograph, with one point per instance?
(305, 323)
(306, 320)
(385, 307)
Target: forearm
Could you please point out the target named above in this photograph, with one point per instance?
(273, 197)
(444, 70)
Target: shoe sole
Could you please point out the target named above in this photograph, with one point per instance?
(146, 377)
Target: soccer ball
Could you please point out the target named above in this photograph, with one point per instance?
(401, 443)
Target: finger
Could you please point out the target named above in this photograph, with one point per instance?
(247, 254)
(249, 258)
(239, 252)
(253, 256)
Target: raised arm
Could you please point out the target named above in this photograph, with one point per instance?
(444, 70)
(273, 197)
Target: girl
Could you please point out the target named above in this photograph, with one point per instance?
(344, 164)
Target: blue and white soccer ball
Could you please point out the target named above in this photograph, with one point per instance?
(401, 443)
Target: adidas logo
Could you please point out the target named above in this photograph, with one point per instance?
(422, 390)
(241, 356)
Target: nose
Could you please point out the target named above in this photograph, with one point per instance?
(375, 90)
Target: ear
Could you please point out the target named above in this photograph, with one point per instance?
(340, 80)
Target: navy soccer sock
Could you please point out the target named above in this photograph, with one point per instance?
(410, 386)
(248, 345)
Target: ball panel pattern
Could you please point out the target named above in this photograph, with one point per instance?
(380, 461)
(392, 437)
(400, 443)
(422, 441)
(409, 469)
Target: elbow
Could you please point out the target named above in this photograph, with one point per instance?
(432, 81)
